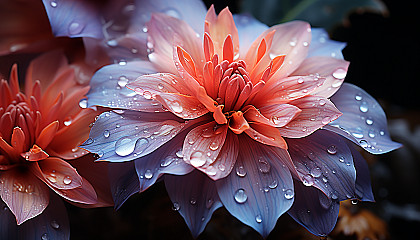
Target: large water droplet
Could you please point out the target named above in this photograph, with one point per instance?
(125, 146)
(83, 103)
(289, 193)
(76, 28)
(214, 146)
(364, 107)
(332, 149)
(340, 73)
(273, 184)
(122, 81)
(316, 172)
(176, 107)
(67, 180)
(148, 174)
(240, 196)
(197, 159)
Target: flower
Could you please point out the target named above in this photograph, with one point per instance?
(41, 128)
(251, 118)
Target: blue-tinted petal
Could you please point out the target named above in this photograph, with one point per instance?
(51, 224)
(166, 159)
(256, 191)
(363, 120)
(322, 45)
(363, 183)
(107, 87)
(127, 135)
(249, 29)
(74, 18)
(124, 182)
(192, 12)
(195, 197)
(324, 160)
(313, 210)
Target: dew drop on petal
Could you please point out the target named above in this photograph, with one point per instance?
(167, 161)
(332, 149)
(369, 121)
(54, 224)
(308, 180)
(258, 218)
(358, 97)
(53, 4)
(197, 159)
(122, 81)
(67, 180)
(125, 146)
(240, 196)
(364, 107)
(316, 172)
(339, 73)
(44, 236)
(75, 28)
(289, 194)
(214, 146)
(176, 206)
(273, 184)
(363, 143)
(263, 166)
(325, 120)
(176, 107)
(106, 133)
(322, 102)
(148, 174)
(83, 103)
(240, 171)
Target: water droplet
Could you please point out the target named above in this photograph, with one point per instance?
(316, 172)
(83, 103)
(358, 97)
(332, 149)
(167, 161)
(172, 12)
(209, 203)
(122, 81)
(145, 29)
(308, 180)
(372, 133)
(125, 146)
(222, 167)
(322, 102)
(340, 73)
(179, 153)
(67, 121)
(382, 132)
(112, 43)
(300, 80)
(176, 206)
(53, 4)
(369, 121)
(364, 107)
(44, 236)
(214, 146)
(197, 159)
(67, 180)
(176, 107)
(240, 196)
(289, 193)
(363, 143)
(273, 184)
(106, 133)
(341, 159)
(358, 134)
(263, 166)
(54, 224)
(122, 62)
(293, 41)
(258, 218)
(75, 28)
(193, 201)
(148, 174)
(240, 171)
(325, 120)
(160, 86)
(305, 44)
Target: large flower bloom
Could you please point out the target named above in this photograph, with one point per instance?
(41, 128)
(240, 115)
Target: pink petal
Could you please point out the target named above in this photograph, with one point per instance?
(276, 115)
(85, 194)
(316, 112)
(286, 90)
(267, 135)
(164, 32)
(58, 174)
(203, 144)
(24, 194)
(183, 106)
(333, 70)
(151, 84)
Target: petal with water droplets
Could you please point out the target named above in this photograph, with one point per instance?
(196, 196)
(363, 183)
(59, 173)
(322, 45)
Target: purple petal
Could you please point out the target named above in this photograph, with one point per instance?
(363, 183)
(127, 135)
(51, 224)
(74, 18)
(249, 29)
(192, 12)
(313, 210)
(107, 87)
(166, 159)
(124, 182)
(195, 197)
(256, 192)
(363, 120)
(324, 160)
(322, 45)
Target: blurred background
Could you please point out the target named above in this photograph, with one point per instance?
(383, 49)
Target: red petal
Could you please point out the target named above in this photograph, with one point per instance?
(238, 123)
(23, 193)
(35, 154)
(273, 115)
(59, 174)
(47, 134)
(267, 135)
(18, 140)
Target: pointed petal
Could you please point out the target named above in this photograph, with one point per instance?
(183, 106)
(159, 83)
(18, 140)
(53, 222)
(276, 115)
(24, 194)
(254, 193)
(363, 183)
(333, 70)
(35, 154)
(248, 30)
(238, 123)
(124, 182)
(107, 87)
(203, 144)
(324, 160)
(128, 135)
(47, 134)
(74, 18)
(313, 210)
(321, 45)
(196, 197)
(165, 32)
(59, 173)
(363, 118)
(166, 159)
(266, 135)
(316, 113)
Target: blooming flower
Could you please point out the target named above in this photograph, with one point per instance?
(41, 128)
(240, 115)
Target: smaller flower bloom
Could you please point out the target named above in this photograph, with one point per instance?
(41, 128)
